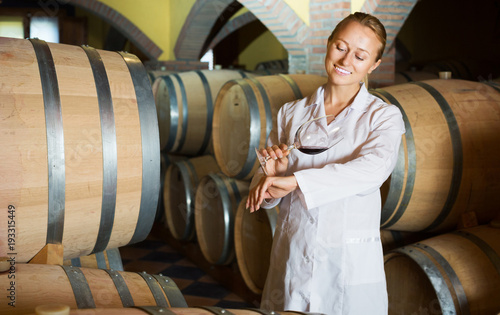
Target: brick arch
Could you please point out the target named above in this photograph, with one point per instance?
(197, 27)
(231, 27)
(276, 15)
(122, 24)
(288, 28)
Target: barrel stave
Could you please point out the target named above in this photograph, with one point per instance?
(454, 272)
(447, 161)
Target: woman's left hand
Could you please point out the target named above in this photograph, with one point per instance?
(270, 187)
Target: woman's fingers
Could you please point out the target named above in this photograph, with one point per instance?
(278, 151)
(251, 202)
(260, 192)
(271, 152)
(284, 149)
(251, 199)
(275, 152)
(257, 195)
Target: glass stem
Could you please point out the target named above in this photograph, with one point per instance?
(290, 147)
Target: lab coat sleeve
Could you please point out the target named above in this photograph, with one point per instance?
(363, 174)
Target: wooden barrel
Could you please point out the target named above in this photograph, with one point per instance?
(244, 113)
(217, 198)
(454, 273)
(461, 69)
(458, 68)
(184, 103)
(253, 238)
(410, 76)
(393, 239)
(447, 163)
(181, 180)
(166, 160)
(108, 259)
(155, 74)
(36, 285)
(494, 84)
(465, 69)
(279, 64)
(155, 310)
(496, 222)
(80, 147)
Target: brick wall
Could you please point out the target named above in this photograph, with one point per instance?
(392, 14)
(306, 45)
(119, 22)
(323, 16)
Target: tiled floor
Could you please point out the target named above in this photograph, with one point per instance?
(155, 256)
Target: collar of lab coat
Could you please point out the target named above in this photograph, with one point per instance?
(361, 101)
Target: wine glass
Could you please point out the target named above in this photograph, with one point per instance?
(310, 138)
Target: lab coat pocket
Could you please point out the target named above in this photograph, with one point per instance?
(364, 261)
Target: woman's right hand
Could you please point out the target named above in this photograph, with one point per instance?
(278, 163)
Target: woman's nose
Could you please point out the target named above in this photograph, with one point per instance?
(346, 59)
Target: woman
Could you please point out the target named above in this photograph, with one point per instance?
(327, 255)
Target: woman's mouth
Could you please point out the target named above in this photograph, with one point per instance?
(341, 71)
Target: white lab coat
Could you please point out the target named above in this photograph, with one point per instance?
(327, 254)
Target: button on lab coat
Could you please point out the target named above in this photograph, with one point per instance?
(327, 254)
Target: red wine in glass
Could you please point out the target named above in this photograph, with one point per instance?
(312, 137)
(312, 150)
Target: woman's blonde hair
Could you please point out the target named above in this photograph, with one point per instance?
(366, 20)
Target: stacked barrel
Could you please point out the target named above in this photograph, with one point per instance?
(209, 123)
(80, 177)
(442, 243)
(93, 153)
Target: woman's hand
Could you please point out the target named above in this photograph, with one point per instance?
(278, 163)
(270, 187)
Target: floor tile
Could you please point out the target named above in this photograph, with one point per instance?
(154, 256)
(233, 297)
(148, 244)
(131, 253)
(184, 272)
(182, 283)
(167, 249)
(170, 257)
(185, 262)
(207, 278)
(233, 304)
(210, 290)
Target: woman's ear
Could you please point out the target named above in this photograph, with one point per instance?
(374, 66)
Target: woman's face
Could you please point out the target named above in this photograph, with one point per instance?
(351, 54)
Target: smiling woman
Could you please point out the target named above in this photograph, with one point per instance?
(327, 254)
(354, 50)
